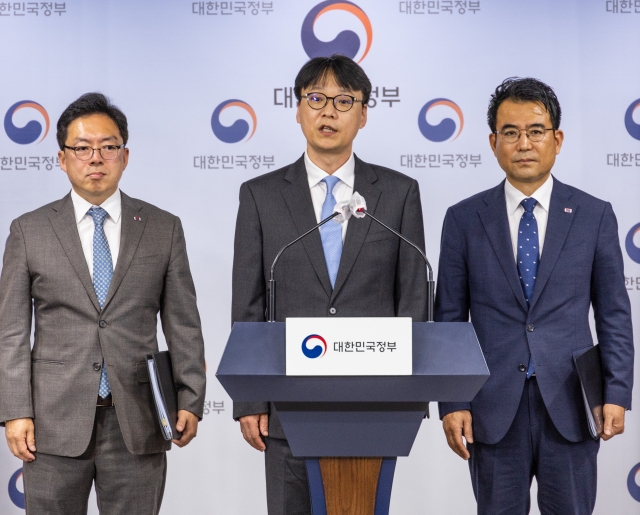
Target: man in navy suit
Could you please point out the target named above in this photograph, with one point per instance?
(526, 260)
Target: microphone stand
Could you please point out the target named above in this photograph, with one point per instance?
(430, 281)
(271, 292)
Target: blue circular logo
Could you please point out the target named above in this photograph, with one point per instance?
(16, 496)
(632, 485)
(633, 128)
(239, 129)
(32, 130)
(446, 128)
(632, 250)
(346, 43)
(317, 351)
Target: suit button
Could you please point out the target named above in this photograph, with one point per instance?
(102, 324)
(522, 368)
(332, 311)
(530, 328)
(97, 366)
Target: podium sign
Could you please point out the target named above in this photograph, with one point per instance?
(349, 347)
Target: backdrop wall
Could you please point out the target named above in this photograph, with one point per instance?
(207, 88)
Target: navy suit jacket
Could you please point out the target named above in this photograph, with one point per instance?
(581, 265)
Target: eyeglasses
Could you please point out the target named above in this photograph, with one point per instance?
(341, 102)
(534, 134)
(107, 152)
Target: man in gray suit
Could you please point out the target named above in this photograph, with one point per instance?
(95, 268)
(361, 270)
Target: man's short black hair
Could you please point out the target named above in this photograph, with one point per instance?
(346, 72)
(524, 90)
(86, 105)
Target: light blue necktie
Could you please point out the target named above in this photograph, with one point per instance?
(528, 257)
(331, 232)
(102, 272)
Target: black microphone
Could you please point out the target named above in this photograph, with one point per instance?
(430, 282)
(271, 292)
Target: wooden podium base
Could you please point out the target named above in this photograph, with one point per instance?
(350, 486)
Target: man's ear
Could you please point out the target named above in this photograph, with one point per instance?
(363, 119)
(62, 157)
(492, 142)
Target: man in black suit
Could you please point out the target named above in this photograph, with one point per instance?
(525, 260)
(357, 270)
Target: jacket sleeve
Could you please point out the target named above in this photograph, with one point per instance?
(612, 312)
(411, 274)
(15, 330)
(182, 329)
(249, 296)
(452, 293)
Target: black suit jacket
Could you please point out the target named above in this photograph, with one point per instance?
(378, 276)
(581, 265)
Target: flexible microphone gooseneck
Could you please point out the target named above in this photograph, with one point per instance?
(430, 281)
(271, 292)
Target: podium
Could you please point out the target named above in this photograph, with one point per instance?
(350, 429)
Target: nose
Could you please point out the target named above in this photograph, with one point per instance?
(96, 158)
(523, 140)
(329, 108)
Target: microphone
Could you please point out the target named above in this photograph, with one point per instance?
(357, 207)
(271, 292)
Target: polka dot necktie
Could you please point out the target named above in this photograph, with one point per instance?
(528, 256)
(102, 272)
(331, 232)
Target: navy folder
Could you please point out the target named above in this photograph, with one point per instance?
(589, 369)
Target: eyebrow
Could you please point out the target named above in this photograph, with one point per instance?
(322, 86)
(512, 126)
(108, 138)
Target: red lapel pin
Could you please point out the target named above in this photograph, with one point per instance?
(137, 219)
(568, 210)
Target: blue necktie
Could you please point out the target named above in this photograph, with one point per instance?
(528, 256)
(102, 272)
(331, 232)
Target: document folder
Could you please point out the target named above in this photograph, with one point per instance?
(164, 391)
(589, 370)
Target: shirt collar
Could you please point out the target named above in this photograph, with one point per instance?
(113, 206)
(315, 174)
(514, 196)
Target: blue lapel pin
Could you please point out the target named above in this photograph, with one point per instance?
(568, 210)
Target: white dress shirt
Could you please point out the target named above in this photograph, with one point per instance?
(112, 225)
(342, 191)
(515, 211)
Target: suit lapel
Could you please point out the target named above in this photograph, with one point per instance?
(131, 232)
(358, 227)
(298, 199)
(63, 220)
(496, 224)
(558, 226)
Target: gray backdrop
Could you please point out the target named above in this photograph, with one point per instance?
(170, 64)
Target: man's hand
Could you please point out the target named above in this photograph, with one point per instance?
(21, 438)
(253, 427)
(188, 425)
(456, 425)
(613, 421)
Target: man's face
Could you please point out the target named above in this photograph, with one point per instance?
(525, 161)
(95, 179)
(327, 130)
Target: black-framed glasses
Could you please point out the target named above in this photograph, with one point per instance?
(341, 102)
(107, 152)
(535, 134)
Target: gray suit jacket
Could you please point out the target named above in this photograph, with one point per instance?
(45, 273)
(378, 276)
